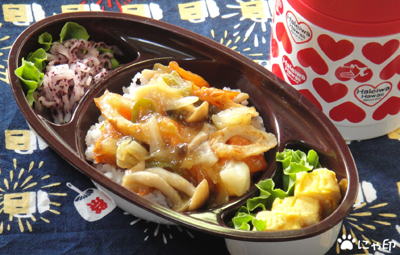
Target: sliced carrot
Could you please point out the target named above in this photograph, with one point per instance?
(255, 163)
(126, 113)
(170, 131)
(144, 191)
(141, 190)
(231, 94)
(187, 75)
(196, 172)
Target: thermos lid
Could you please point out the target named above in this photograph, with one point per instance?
(365, 18)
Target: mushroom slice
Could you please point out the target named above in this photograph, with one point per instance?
(174, 180)
(169, 184)
(153, 180)
(200, 196)
(199, 114)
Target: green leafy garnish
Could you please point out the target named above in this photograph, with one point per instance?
(104, 50)
(73, 30)
(268, 193)
(292, 163)
(242, 219)
(38, 58)
(31, 79)
(46, 40)
(263, 202)
(114, 61)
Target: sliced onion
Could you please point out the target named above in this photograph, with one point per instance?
(181, 102)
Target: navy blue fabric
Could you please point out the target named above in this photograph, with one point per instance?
(61, 230)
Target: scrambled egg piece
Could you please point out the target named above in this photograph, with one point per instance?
(278, 220)
(291, 213)
(320, 184)
(316, 195)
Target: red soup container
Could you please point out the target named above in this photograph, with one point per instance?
(344, 56)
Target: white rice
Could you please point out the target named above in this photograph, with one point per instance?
(137, 81)
(92, 135)
(110, 171)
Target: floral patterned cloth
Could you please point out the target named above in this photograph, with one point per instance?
(42, 198)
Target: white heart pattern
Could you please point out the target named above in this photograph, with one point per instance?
(300, 31)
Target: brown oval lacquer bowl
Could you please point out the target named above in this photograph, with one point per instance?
(296, 122)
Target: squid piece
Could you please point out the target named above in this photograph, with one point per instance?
(261, 142)
(255, 163)
(114, 107)
(111, 105)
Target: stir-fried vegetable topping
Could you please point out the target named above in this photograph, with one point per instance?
(169, 129)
